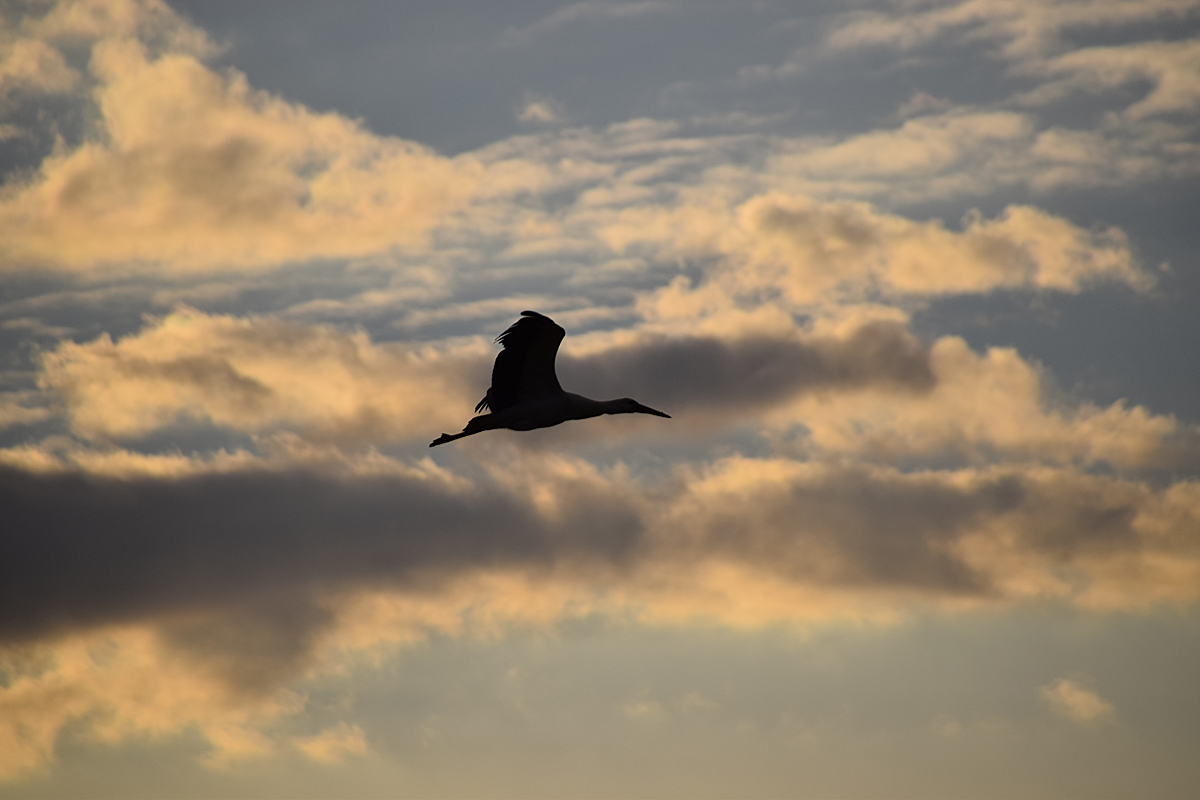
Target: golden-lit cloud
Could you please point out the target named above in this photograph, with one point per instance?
(968, 146)
(1022, 30)
(812, 251)
(260, 374)
(1069, 699)
(15, 409)
(190, 169)
(124, 683)
(988, 534)
(208, 511)
(988, 407)
(1173, 68)
(333, 745)
(174, 583)
(864, 386)
(355, 563)
(32, 65)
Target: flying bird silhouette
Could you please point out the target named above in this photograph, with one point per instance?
(525, 393)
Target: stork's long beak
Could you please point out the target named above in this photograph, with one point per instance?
(648, 410)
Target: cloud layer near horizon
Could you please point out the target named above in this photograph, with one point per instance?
(256, 573)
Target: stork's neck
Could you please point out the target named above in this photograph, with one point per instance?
(584, 407)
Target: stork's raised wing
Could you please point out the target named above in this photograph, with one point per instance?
(524, 369)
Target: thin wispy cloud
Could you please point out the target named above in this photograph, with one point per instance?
(588, 11)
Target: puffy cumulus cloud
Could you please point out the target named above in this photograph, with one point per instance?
(1024, 247)
(1069, 699)
(120, 683)
(221, 675)
(859, 384)
(812, 251)
(967, 534)
(262, 375)
(32, 65)
(84, 21)
(992, 407)
(257, 374)
(189, 169)
(862, 386)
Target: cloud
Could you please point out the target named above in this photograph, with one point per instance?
(333, 745)
(173, 544)
(848, 470)
(120, 683)
(973, 152)
(1069, 699)
(236, 580)
(753, 372)
(88, 550)
(15, 409)
(31, 65)
(542, 110)
(36, 327)
(862, 386)
(993, 407)
(1173, 69)
(1023, 247)
(76, 22)
(926, 145)
(812, 252)
(1025, 31)
(189, 169)
(1038, 43)
(260, 374)
(588, 11)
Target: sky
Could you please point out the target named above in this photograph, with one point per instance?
(916, 282)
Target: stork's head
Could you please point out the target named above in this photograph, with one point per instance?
(627, 405)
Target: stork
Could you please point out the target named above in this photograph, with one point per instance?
(525, 393)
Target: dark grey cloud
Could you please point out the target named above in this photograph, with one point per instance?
(851, 528)
(80, 550)
(237, 569)
(712, 374)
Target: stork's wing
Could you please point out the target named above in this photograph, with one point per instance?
(525, 367)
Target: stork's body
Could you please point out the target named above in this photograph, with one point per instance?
(525, 393)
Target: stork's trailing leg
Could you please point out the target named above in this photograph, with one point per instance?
(484, 422)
